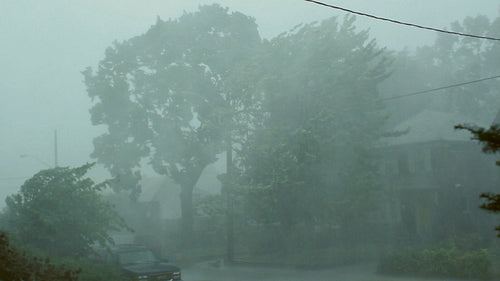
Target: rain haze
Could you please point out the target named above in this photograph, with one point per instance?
(50, 57)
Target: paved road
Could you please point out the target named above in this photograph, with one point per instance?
(203, 272)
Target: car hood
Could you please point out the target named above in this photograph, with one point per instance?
(150, 268)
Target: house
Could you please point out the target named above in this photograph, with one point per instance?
(435, 175)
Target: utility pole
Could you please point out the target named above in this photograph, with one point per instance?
(229, 203)
(55, 148)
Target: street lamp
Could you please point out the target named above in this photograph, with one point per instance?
(36, 158)
(40, 160)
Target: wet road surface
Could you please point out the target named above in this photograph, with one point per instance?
(204, 272)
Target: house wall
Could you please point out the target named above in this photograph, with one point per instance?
(435, 187)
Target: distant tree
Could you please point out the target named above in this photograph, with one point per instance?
(62, 212)
(312, 159)
(449, 60)
(165, 97)
(490, 138)
(16, 266)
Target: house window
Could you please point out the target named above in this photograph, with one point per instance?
(427, 160)
(403, 166)
(465, 204)
(389, 167)
(413, 159)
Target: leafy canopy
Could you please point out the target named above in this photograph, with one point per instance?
(163, 94)
(312, 159)
(165, 97)
(62, 212)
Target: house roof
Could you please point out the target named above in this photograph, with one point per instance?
(497, 119)
(429, 125)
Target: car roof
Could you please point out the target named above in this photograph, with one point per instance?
(128, 247)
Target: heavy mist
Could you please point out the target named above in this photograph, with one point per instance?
(268, 140)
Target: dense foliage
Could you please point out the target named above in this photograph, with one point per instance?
(311, 159)
(450, 259)
(61, 212)
(16, 266)
(302, 113)
(92, 270)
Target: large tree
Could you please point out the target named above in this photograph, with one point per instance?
(165, 96)
(61, 212)
(312, 159)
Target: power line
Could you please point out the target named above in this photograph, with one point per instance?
(441, 88)
(403, 23)
(13, 178)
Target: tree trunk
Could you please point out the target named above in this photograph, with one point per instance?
(187, 216)
(187, 183)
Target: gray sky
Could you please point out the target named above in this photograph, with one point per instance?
(46, 44)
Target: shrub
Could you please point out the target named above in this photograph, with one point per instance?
(444, 261)
(90, 270)
(16, 265)
(61, 212)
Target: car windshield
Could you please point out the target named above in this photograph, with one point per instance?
(139, 256)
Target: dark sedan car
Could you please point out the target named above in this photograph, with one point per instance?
(140, 263)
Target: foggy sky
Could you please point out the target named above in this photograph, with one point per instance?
(46, 44)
